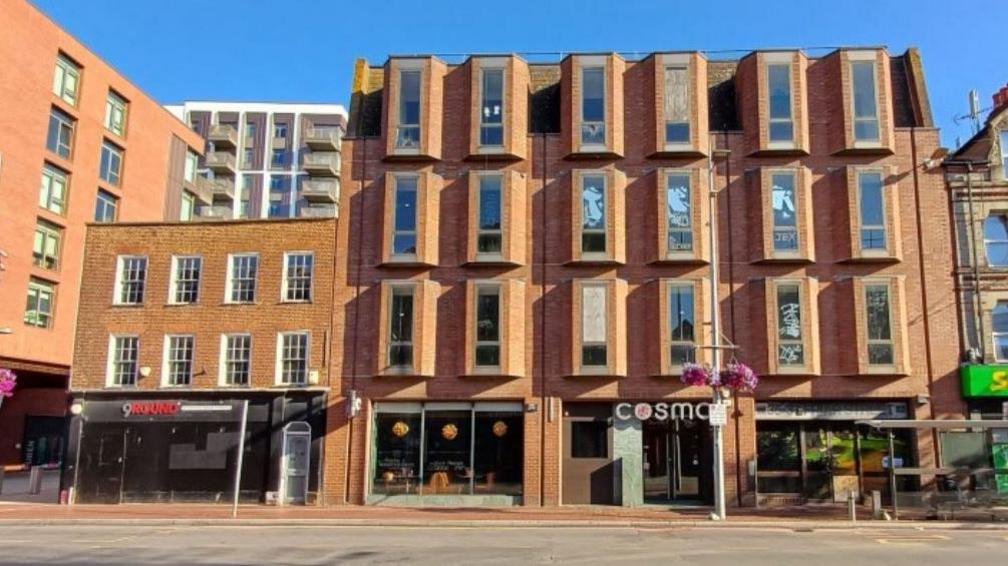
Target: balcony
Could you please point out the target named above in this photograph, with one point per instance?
(218, 189)
(278, 143)
(221, 163)
(223, 136)
(320, 190)
(322, 164)
(215, 213)
(199, 190)
(322, 139)
(319, 211)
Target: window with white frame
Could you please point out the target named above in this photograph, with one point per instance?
(408, 130)
(679, 205)
(243, 270)
(999, 331)
(39, 308)
(53, 194)
(781, 127)
(871, 207)
(864, 101)
(593, 215)
(124, 361)
(110, 168)
(790, 345)
(236, 359)
(298, 270)
(115, 113)
(879, 320)
(178, 364)
(1004, 154)
(59, 137)
(185, 281)
(489, 236)
(682, 323)
(488, 325)
(191, 164)
(187, 207)
(66, 79)
(492, 108)
(784, 202)
(46, 249)
(400, 352)
(293, 358)
(131, 279)
(677, 105)
(593, 106)
(995, 234)
(594, 325)
(404, 235)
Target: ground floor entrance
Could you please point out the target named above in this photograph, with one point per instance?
(677, 461)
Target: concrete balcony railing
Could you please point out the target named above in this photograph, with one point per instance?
(320, 190)
(219, 189)
(322, 163)
(221, 163)
(223, 136)
(278, 143)
(323, 138)
(319, 211)
(215, 213)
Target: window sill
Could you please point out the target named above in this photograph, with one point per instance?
(296, 302)
(860, 148)
(493, 153)
(240, 303)
(593, 151)
(679, 260)
(677, 150)
(129, 305)
(489, 372)
(409, 154)
(785, 259)
(407, 372)
(492, 262)
(406, 262)
(884, 371)
(872, 259)
(594, 261)
(174, 304)
(602, 372)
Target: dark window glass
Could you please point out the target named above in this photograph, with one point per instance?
(593, 355)
(397, 453)
(498, 457)
(447, 452)
(589, 439)
(401, 328)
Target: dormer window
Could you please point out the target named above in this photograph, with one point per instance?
(492, 108)
(408, 131)
(593, 106)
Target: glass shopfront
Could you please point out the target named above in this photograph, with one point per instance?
(448, 449)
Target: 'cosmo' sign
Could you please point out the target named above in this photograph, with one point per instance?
(663, 411)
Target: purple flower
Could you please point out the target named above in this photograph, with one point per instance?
(8, 381)
(695, 375)
(739, 377)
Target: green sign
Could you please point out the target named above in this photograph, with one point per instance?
(1001, 467)
(984, 381)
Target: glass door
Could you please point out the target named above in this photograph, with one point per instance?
(686, 460)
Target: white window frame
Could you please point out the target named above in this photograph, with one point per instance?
(988, 241)
(120, 280)
(167, 359)
(224, 360)
(285, 282)
(279, 378)
(496, 65)
(853, 58)
(229, 284)
(191, 166)
(116, 104)
(111, 362)
(53, 176)
(66, 67)
(176, 264)
(585, 64)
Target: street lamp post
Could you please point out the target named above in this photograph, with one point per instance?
(719, 483)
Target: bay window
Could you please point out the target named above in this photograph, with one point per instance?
(864, 101)
(408, 129)
(593, 217)
(682, 323)
(784, 196)
(995, 235)
(677, 105)
(492, 108)
(593, 110)
(781, 120)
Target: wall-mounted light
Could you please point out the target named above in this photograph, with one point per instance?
(145, 371)
(76, 408)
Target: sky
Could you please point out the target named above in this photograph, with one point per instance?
(304, 51)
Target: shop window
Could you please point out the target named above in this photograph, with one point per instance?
(185, 281)
(397, 452)
(999, 331)
(996, 240)
(677, 105)
(131, 280)
(593, 106)
(778, 459)
(447, 451)
(589, 439)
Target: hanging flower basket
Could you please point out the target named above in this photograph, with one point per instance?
(696, 375)
(8, 381)
(739, 377)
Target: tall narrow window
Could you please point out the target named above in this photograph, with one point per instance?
(245, 196)
(404, 234)
(593, 214)
(790, 347)
(594, 325)
(593, 106)
(187, 207)
(248, 151)
(871, 206)
(1004, 154)
(39, 309)
(785, 212)
(178, 368)
(999, 329)
(865, 103)
(66, 79)
(131, 280)
(879, 318)
(408, 131)
(106, 207)
(293, 358)
(124, 360)
(297, 284)
(242, 276)
(191, 164)
(236, 364)
(492, 108)
(115, 114)
(489, 238)
(110, 168)
(996, 240)
(185, 280)
(400, 352)
(53, 194)
(779, 87)
(280, 198)
(678, 200)
(682, 323)
(488, 336)
(46, 249)
(59, 138)
(677, 107)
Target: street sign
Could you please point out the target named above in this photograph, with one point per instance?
(718, 414)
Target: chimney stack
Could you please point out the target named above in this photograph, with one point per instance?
(1001, 98)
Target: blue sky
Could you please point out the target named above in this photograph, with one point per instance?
(229, 49)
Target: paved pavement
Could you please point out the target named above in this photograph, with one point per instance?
(311, 545)
(15, 488)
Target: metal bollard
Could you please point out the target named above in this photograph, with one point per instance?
(35, 480)
(876, 504)
(852, 506)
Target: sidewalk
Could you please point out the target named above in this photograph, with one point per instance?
(798, 517)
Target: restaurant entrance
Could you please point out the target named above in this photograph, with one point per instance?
(677, 461)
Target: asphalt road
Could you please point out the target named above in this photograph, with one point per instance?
(296, 545)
